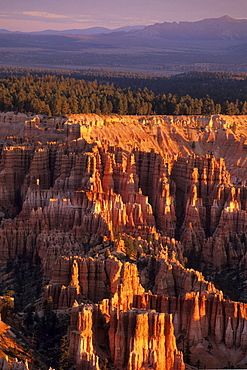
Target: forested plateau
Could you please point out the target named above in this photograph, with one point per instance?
(103, 92)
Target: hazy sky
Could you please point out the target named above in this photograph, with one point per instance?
(36, 15)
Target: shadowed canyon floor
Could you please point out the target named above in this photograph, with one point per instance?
(134, 232)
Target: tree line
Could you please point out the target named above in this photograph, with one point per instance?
(59, 95)
(220, 86)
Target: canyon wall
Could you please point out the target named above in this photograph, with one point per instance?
(120, 212)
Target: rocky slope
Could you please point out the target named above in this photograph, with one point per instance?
(13, 355)
(115, 210)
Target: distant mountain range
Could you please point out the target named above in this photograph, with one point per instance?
(212, 28)
(206, 29)
(86, 31)
(209, 44)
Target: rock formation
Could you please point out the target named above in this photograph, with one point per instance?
(10, 345)
(112, 208)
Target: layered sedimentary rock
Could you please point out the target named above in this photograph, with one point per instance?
(18, 357)
(110, 207)
(148, 340)
(16, 365)
(81, 339)
(138, 338)
(138, 324)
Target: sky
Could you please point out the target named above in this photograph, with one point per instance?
(37, 15)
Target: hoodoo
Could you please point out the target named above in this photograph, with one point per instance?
(135, 233)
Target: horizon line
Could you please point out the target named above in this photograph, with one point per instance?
(123, 26)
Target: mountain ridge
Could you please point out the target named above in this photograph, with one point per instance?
(224, 27)
(85, 31)
(220, 28)
(211, 44)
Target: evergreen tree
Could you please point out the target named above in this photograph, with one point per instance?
(64, 363)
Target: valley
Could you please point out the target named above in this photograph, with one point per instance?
(217, 44)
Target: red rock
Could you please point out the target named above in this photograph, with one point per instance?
(131, 179)
(81, 349)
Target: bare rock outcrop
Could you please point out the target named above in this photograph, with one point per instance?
(111, 208)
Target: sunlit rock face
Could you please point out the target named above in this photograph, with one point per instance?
(113, 208)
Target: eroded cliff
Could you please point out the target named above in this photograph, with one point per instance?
(112, 208)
